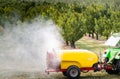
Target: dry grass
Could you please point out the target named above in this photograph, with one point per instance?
(96, 46)
(39, 75)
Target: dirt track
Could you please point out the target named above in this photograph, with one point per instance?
(40, 75)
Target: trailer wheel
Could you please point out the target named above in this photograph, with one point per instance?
(73, 72)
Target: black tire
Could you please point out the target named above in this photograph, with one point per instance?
(73, 72)
(112, 71)
(64, 73)
(118, 65)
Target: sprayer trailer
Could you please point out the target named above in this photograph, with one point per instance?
(72, 62)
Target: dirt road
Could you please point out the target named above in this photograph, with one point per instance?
(42, 75)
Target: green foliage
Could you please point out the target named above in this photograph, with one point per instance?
(74, 17)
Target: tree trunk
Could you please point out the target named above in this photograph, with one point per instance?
(106, 37)
(93, 35)
(67, 43)
(89, 35)
(72, 43)
(97, 36)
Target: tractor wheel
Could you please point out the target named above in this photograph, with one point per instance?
(112, 71)
(73, 72)
(118, 65)
(64, 73)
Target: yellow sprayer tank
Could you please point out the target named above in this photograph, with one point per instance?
(79, 58)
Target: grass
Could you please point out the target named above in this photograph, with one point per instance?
(91, 44)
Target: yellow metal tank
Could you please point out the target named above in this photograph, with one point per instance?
(79, 58)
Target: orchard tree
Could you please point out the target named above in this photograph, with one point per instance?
(72, 27)
(108, 27)
(115, 18)
(90, 24)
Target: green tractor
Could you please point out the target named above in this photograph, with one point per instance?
(112, 60)
(112, 55)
